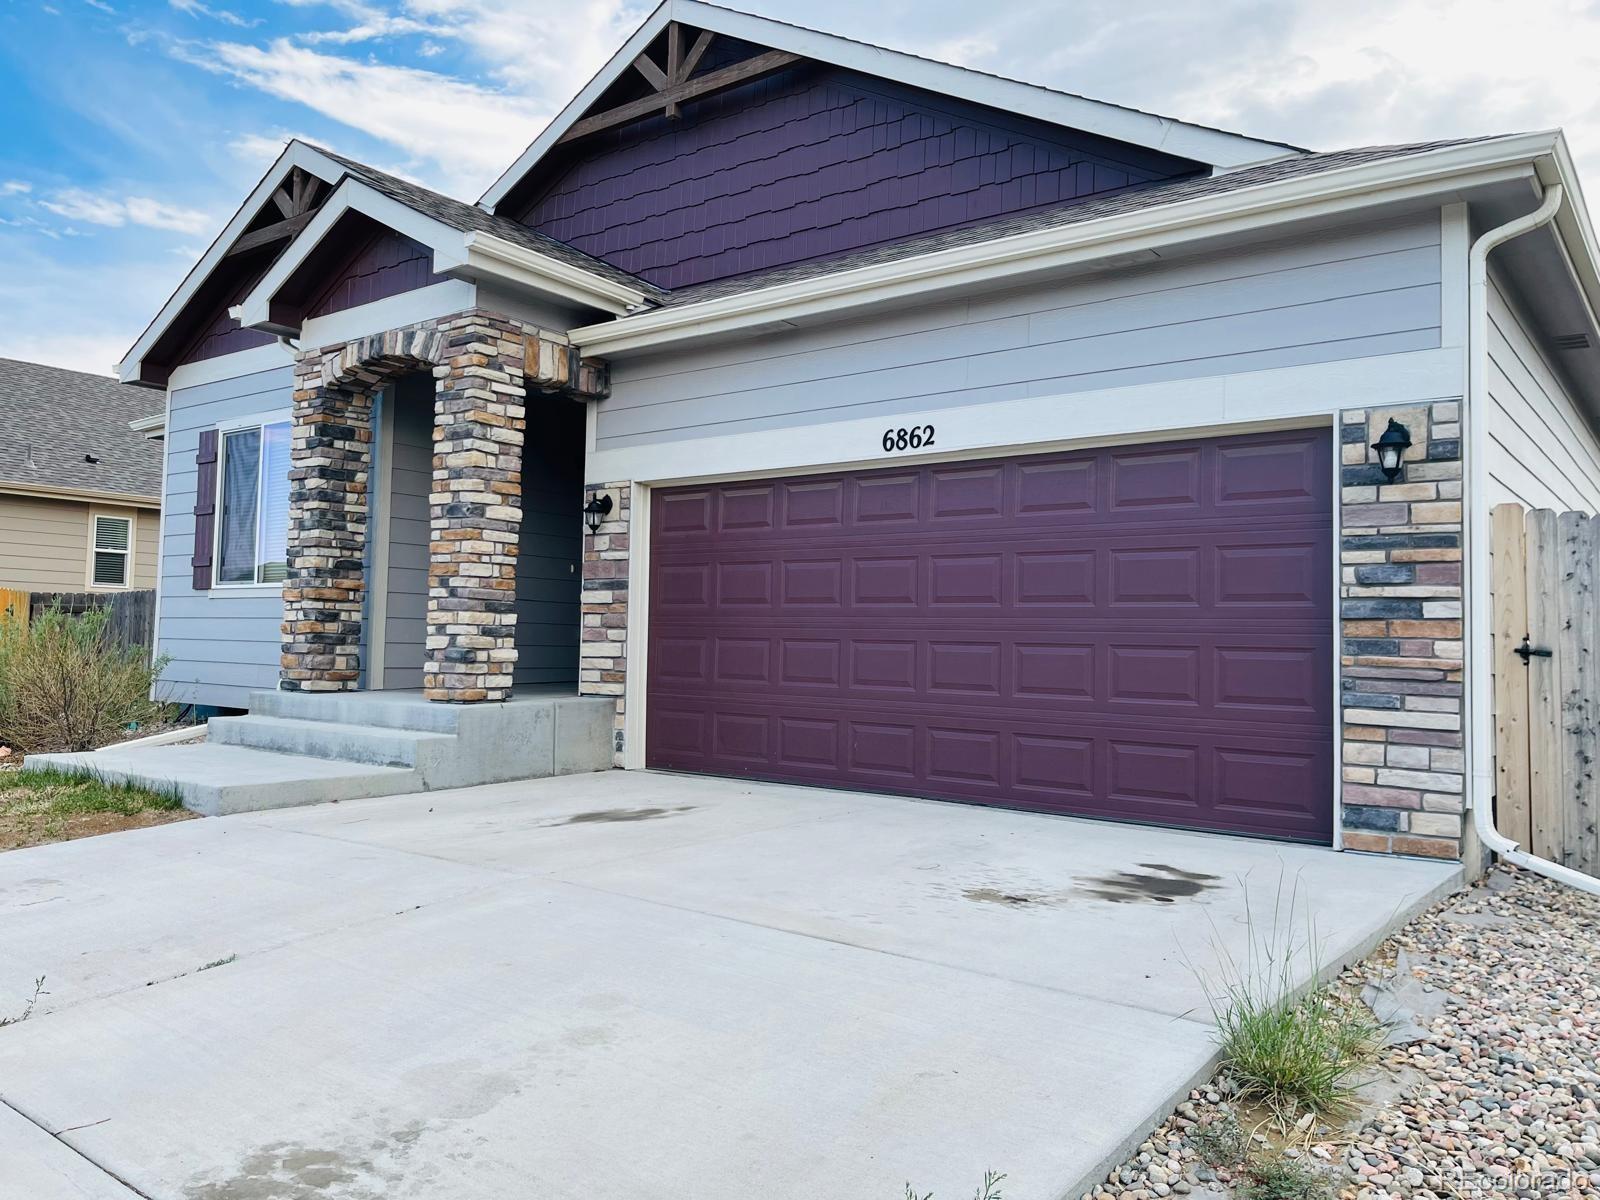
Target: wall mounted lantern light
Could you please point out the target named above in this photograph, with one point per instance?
(596, 511)
(1391, 448)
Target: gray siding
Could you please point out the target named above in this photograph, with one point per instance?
(550, 548)
(409, 405)
(1543, 452)
(225, 643)
(1349, 293)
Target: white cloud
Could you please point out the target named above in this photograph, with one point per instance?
(78, 204)
(470, 131)
(15, 187)
(195, 8)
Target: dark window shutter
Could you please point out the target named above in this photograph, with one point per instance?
(205, 508)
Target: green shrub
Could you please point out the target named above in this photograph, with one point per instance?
(67, 684)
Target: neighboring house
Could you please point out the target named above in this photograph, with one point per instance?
(943, 435)
(80, 481)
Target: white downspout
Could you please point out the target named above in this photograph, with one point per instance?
(1480, 673)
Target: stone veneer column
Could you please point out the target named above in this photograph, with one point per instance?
(603, 665)
(329, 465)
(1404, 768)
(480, 417)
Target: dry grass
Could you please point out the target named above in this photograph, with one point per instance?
(37, 807)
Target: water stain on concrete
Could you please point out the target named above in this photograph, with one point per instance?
(985, 895)
(1157, 883)
(283, 1171)
(608, 816)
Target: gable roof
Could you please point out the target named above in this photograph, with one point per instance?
(55, 417)
(464, 241)
(1215, 147)
(469, 218)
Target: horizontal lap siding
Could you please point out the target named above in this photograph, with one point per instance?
(1351, 294)
(1543, 452)
(44, 544)
(222, 644)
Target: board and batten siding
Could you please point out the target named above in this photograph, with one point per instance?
(222, 644)
(1348, 293)
(44, 543)
(1543, 450)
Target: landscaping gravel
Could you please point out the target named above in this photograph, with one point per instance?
(1499, 1098)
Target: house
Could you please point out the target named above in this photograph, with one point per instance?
(80, 481)
(832, 415)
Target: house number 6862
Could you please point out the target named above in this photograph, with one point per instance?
(914, 438)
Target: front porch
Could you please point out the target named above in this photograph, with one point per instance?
(296, 748)
(429, 546)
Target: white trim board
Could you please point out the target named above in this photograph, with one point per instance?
(229, 366)
(1200, 143)
(392, 312)
(1046, 422)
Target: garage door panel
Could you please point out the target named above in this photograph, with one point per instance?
(1140, 633)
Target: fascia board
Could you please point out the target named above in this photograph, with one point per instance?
(619, 62)
(1250, 208)
(486, 257)
(350, 195)
(296, 154)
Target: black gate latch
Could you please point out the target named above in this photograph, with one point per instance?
(1527, 651)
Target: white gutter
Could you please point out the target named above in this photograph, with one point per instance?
(1480, 679)
(1252, 209)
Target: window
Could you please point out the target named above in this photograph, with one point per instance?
(113, 547)
(253, 535)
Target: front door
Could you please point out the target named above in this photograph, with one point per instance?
(399, 628)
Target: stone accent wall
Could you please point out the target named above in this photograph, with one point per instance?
(485, 366)
(603, 667)
(1404, 769)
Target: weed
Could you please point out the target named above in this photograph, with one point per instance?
(219, 962)
(989, 1191)
(1293, 1055)
(1274, 1177)
(1222, 1142)
(27, 1009)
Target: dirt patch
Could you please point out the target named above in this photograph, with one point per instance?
(1013, 899)
(19, 831)
(1157, 883)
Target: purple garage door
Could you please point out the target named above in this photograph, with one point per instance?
(1143, 633)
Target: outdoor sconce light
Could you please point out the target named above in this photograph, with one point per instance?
(597, 510)
(1391, 448)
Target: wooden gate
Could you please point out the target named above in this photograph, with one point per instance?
(1547, 682)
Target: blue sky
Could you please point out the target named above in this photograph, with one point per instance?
(132, 130)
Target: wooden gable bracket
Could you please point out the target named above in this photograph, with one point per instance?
(298, 202)
(673, 85)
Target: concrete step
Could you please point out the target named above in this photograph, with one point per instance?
(401, 711)
(379, 745)
(217, 779)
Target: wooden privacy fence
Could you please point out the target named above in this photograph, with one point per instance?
(1547, 682)
(133, 614)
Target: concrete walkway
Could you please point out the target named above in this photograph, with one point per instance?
(627, 985)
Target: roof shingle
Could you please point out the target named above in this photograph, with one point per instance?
(57, 417)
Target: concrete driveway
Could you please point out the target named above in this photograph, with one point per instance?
(625, 985)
